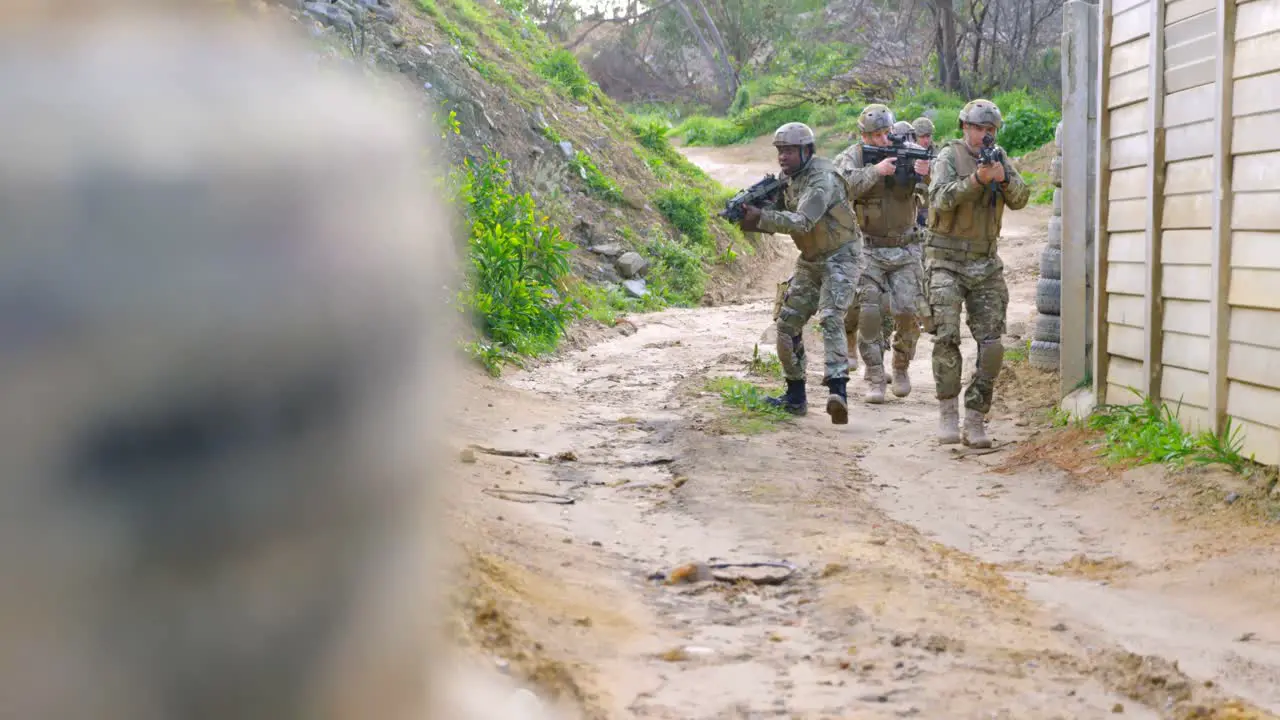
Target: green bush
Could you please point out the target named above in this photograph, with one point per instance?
(687, 212)
(703, 130)
(598, 183)
(676, 273)
(561, 67)
(517, 265)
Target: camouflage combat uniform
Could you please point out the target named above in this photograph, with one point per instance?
(891, 283)
(964, 269)
(814, 211)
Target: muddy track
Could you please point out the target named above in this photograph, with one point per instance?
(927, 585)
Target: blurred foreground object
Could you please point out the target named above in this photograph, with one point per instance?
(223, 358)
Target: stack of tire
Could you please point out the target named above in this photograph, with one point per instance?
(1044, 350)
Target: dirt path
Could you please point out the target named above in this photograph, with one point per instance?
(927, 584)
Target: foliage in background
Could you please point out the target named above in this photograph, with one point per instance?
(1029, 119)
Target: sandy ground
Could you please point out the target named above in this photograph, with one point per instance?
(929, 582)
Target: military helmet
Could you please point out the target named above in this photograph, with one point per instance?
(902, 127)
(981, 112)
(793, 133)
(874, 118)
(923, 126)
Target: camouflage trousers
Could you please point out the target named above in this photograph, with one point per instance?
(980, 288)
(825, 287)
(890, 304)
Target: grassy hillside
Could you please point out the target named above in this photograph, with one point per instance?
(554, 179)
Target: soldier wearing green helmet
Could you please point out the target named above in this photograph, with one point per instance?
(923, 131)
(813, 208)
(966, 203)
(891, 284)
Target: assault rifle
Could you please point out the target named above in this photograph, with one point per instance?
(758, 195)
(903, 172)
(989, 155)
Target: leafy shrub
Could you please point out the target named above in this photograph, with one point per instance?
(676, 274)
(702, 130)
(517, 265)
(687, 212)
(598, 183)
(561, 67)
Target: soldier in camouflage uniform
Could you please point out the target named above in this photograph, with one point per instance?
(967, 202)
(813, 209)
(923, 128)
(892, 274)
(904, 129)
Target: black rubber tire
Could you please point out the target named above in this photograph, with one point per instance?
(1049, 296)
(1057, 137)
(1055, 171)
(1055, 232)
(1057, 202)
(1043, 355)
(1048, 329)
(1051, 263)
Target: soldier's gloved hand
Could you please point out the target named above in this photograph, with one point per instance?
(750, 221)
(886, 166)
(986, 173)
(922, 167)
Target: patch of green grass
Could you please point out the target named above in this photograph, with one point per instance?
(754, 414)
(561, 67)
(1043, 196)
(676, 273)
(765, 366)
(598, 183)
(1017, 354)
(1149, 432)
(687, 212)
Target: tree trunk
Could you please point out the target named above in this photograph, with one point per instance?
(707, 52)
(948, 52)
(726, 65)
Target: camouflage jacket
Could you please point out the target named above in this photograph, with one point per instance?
(964, 222)
(883, 211)
(814, 210)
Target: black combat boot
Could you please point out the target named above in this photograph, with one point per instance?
(838, 401)
(793, 400)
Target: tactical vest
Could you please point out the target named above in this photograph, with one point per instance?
(884, 212)
(836, 228)
(970, 230)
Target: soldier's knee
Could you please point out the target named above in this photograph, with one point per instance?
(990, 357)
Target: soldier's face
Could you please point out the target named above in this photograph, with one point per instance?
(925, 141)
(973, 134)
(790, 158)
(879, 138)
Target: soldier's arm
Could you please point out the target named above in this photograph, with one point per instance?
(860, 179)
(1015, 190)
(946, 188)
(815, 199)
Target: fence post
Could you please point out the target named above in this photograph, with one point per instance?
(1220, 262)
(1079, 58)
(1152, 332)
(1102, 203)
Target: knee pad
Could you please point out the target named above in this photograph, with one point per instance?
(990, 357)
(870, 323)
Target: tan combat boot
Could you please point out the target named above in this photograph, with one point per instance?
(949, 421)
(975, 432)
(875, 384)
(901, 378)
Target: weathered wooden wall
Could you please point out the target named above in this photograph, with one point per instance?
(1188, 264)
